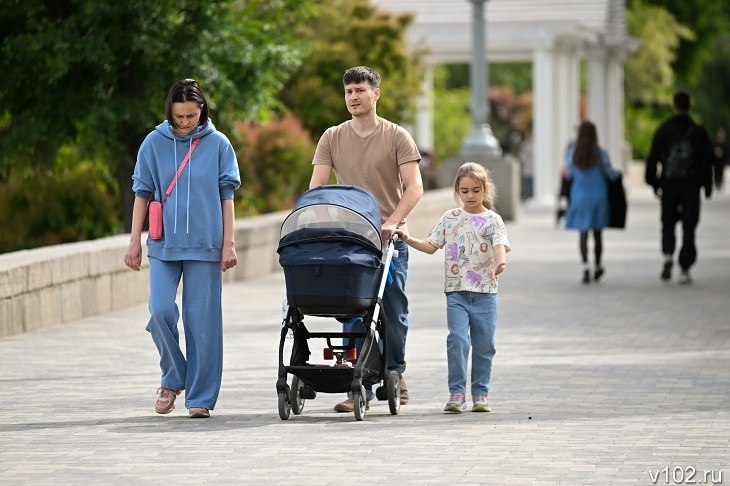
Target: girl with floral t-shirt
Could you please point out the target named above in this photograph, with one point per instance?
(475, 244)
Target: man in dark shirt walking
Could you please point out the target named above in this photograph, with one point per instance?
(678, 167)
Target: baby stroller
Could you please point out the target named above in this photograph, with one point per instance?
(335, 266)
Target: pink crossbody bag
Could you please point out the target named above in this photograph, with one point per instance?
(155, 207)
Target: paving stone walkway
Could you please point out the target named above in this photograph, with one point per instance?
(618, 383)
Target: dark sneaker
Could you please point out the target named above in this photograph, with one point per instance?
(667, 271)
(456, 403)
(403, 391)
(598, 273)
(165, 400)
(197, 412)
(349, 405)
(586, 276)
(480, 404)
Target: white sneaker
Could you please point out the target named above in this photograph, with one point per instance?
(684, 278)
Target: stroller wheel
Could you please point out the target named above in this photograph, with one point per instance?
(393, 392)
(284, 404)
(297, 402)
(359, 403)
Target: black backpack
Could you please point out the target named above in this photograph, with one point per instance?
(679, 164)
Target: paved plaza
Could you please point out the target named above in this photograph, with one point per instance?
(624, 382)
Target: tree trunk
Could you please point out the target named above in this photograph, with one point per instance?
(125, 169)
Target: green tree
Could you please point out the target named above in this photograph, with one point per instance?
(708, 19)
(451, 109)
(348, 33)
(650, 79)
(712, 92)
(95, 74)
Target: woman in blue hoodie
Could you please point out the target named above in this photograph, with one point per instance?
(197, 245)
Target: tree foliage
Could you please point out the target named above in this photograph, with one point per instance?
(683, 45)
(349, 33)
(95, 74)
(650, 77)
(274, 161)
(451, 109)
(712, 91)
(707, 19)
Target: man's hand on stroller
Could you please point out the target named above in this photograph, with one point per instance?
(388, 230)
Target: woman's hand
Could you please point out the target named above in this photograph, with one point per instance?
(133, 257)
(229, 259)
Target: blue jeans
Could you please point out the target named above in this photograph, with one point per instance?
(472, 322)
(395, 305)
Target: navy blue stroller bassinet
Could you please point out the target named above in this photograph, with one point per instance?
(331, 251)
(335, 265)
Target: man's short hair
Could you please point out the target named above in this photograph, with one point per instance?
(681, 101)
(361, 74)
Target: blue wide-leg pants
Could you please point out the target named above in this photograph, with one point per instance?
(198, 371)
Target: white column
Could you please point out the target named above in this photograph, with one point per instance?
(567, 110)
(573, 92)
(598, 93)
(543, 129)
(424, 113)
(614, 141)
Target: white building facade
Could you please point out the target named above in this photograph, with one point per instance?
(555, 36)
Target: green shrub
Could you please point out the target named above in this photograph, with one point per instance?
(275, 163)
(40, 209)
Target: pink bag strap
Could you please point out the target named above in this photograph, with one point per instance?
(184, 163)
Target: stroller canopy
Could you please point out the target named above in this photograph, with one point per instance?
(336, 208)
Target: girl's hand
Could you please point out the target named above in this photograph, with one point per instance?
(499, 268)
(402, 234)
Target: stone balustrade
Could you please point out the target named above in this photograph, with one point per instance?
(62, 283)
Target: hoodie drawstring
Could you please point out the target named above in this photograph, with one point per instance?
(190, 171)
(177, 193)
(174, 171)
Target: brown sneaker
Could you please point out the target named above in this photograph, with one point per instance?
(349, 405)
(197, 412)
(403, 391)
(165, 400)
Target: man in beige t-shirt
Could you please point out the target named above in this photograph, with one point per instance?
(380, 156)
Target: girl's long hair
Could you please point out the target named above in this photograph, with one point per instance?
(481, 175)
(586, 153)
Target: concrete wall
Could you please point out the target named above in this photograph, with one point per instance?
(62, 283)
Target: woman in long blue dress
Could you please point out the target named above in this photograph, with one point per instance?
(588, 168)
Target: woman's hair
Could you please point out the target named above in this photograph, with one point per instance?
(361, 74)
(182, 92)
(479, 174)
(586, 153)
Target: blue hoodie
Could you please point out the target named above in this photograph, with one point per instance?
(192, 215)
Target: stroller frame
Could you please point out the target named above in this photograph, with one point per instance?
(370, 367)
(335, 265)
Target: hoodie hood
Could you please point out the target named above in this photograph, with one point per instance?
(200, 131)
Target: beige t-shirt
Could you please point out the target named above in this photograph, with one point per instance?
(371, 162)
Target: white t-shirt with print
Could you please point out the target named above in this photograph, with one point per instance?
(468, 241)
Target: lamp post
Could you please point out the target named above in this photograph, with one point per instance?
(481, 140)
